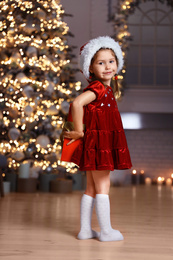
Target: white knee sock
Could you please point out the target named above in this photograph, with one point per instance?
(103, 214)
(87, 205)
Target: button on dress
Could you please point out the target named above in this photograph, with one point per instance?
(104, 145)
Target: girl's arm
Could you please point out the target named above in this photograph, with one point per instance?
(77, 114)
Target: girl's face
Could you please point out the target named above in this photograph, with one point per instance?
(104, 66)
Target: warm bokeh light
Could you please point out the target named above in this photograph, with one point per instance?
(37, 82)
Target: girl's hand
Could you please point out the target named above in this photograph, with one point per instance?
(74, 135)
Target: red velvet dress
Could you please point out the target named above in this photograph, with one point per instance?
(104, 144)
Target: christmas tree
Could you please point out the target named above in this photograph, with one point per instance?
(37, 82)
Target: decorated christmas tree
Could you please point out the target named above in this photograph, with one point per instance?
(37, 82)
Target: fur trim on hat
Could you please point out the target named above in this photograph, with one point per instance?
(89, 50)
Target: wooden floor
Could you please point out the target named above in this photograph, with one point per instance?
(43, 226)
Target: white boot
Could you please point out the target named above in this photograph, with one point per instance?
(87, 205)
(103, 214)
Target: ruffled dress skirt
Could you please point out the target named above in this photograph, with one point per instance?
(104, 145)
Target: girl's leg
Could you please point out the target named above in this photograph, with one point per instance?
(101, 181)
(102, 184)
(90, 187)
(87, 205)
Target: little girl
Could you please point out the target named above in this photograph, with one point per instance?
(104, 147)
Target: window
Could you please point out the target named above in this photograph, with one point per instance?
(150, 56)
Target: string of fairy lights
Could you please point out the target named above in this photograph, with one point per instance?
(35, 82)
(121, 31)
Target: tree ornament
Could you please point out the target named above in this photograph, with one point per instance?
(50, 87)
(18, 156)
(43, 140)
(52, 110)
(28, 91)
(21, 77)
(28, 110)
(31, 52)
(16, 57)
(13, 112)
(14, 133)
(65, 107)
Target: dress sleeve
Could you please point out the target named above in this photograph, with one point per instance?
(97, 87)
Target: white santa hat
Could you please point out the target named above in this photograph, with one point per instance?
(88, 51)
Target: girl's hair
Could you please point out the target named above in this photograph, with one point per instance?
(114, 86)
(114, 83)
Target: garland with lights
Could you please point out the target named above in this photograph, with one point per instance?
(36, 82)
(122, 34)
